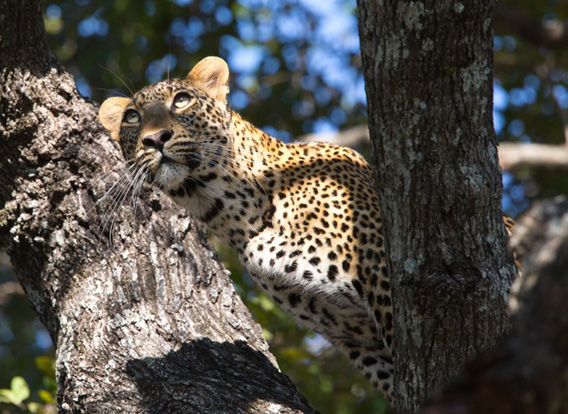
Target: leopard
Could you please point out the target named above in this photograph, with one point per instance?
(304, 218)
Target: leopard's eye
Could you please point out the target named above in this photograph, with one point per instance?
(182, 100)
(131, 116)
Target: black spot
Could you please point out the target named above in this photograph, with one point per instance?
(308, 275)
(387, 359)
(208, 177)
(385, 285)
(332, 273)
(378, 316)
(193, 160)
(294, 299)
(213, 211)
(291, 268)
(374, 280)
(358, 287)
(277, 300)
(345, 265)
(295, 253)
(315, 261)
(312, 305)
(328, 315)
(368, 361)
(389, 325)
(332, 256)
(280, 254)
(382, 375)
(189, 184)
(354, 355)
(267, 217)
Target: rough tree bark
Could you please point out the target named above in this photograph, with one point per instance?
(428, 70)
(528, 372)
(149, 324)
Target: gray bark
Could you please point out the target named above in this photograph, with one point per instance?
(528, 372)
(427, 70)
(149, 323)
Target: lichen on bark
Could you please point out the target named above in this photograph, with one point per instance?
(147, 323)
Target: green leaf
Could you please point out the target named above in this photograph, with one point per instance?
(20, 389)
(265, 303)
(6, 396)
(46, 396)
(34, 408)
(46, 365)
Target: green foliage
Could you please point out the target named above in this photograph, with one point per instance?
(18, 392)
(16, 397)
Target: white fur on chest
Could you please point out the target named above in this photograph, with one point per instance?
(282, 269)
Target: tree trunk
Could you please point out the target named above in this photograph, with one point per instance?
(148, 323)
(528, 372)
(428, 70)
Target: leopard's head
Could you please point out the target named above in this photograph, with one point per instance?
(175, 129)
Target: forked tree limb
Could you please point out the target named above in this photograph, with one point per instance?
(149, 323)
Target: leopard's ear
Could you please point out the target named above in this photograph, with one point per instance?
(211, 75)
(111, 113)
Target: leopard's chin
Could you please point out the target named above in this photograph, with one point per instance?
(170, 174)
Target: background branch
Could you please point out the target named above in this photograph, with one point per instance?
(511, 155)
(551, 33)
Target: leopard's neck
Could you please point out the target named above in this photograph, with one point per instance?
(237, 203)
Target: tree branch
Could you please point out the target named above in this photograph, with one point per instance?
(550, 33)
(511, 156)
(148, 323)
(541, 156)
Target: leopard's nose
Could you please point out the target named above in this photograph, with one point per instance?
(157, 139)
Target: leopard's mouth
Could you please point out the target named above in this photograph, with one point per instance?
(191, 160)
(168, 160)
(168, 171)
